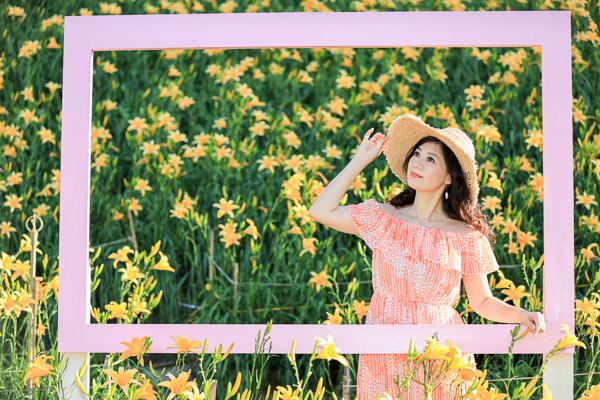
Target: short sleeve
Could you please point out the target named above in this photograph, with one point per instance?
(366, 216)
(478, 256)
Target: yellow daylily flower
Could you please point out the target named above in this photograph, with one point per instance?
(196, 395)
(121, 255)
(483, 393)
(26, 244)
(459, 362)
(286, 393)
(503, 283)
(548, 395)
(528, 389)
(569, 339)
(80, 384)
(117, 310)
(163, 264)
(293, 351)
(236, 385)
(433, 351)
(329, 351)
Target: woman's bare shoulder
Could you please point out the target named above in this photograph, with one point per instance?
(387, 208)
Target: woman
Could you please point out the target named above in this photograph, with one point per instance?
(424, 241)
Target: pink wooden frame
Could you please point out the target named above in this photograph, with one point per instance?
(83, 35)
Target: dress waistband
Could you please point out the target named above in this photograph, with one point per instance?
(412, 301)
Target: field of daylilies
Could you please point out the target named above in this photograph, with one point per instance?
(204, 164)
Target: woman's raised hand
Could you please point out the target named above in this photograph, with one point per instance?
(371, 148)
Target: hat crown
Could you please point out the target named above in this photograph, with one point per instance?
(461, 138)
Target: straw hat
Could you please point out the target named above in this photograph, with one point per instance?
(406, 130)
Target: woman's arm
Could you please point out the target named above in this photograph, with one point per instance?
(489, 307)
(329, 199)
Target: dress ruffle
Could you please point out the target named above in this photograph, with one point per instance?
(478, 256)
(467, 253)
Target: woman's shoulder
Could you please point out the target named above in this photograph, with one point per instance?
(387, 208)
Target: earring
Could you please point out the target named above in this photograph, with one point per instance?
(446, 192)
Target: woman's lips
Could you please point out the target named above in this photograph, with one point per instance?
(415, 175)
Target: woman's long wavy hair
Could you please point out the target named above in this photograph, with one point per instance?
(458, 205)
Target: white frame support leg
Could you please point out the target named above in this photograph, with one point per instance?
(70, 389)
(558, 376)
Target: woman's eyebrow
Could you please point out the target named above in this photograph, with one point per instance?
(433, 154)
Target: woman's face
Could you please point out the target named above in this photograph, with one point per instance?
(428, 163)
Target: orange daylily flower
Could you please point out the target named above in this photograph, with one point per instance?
(309, 246)
(593, 393)
(585, 199)
(360, 309)
(142, 186)
(320, 279)
(585, 305)
(179, 384)
(225, 207)
(134, 206)
(335, 319)
(183, 344)
(136, 348)
(146, 390)
(38, 368)
(20, 269)
(13, 202)
(491, 203)
(588, 254)
(466, 374)
(6, 229)
(122, 378)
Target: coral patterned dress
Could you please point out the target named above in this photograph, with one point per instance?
(417, 271)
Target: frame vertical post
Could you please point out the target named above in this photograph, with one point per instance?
(558, 376)
(74, 362)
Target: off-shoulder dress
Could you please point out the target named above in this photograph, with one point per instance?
(417, 271)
